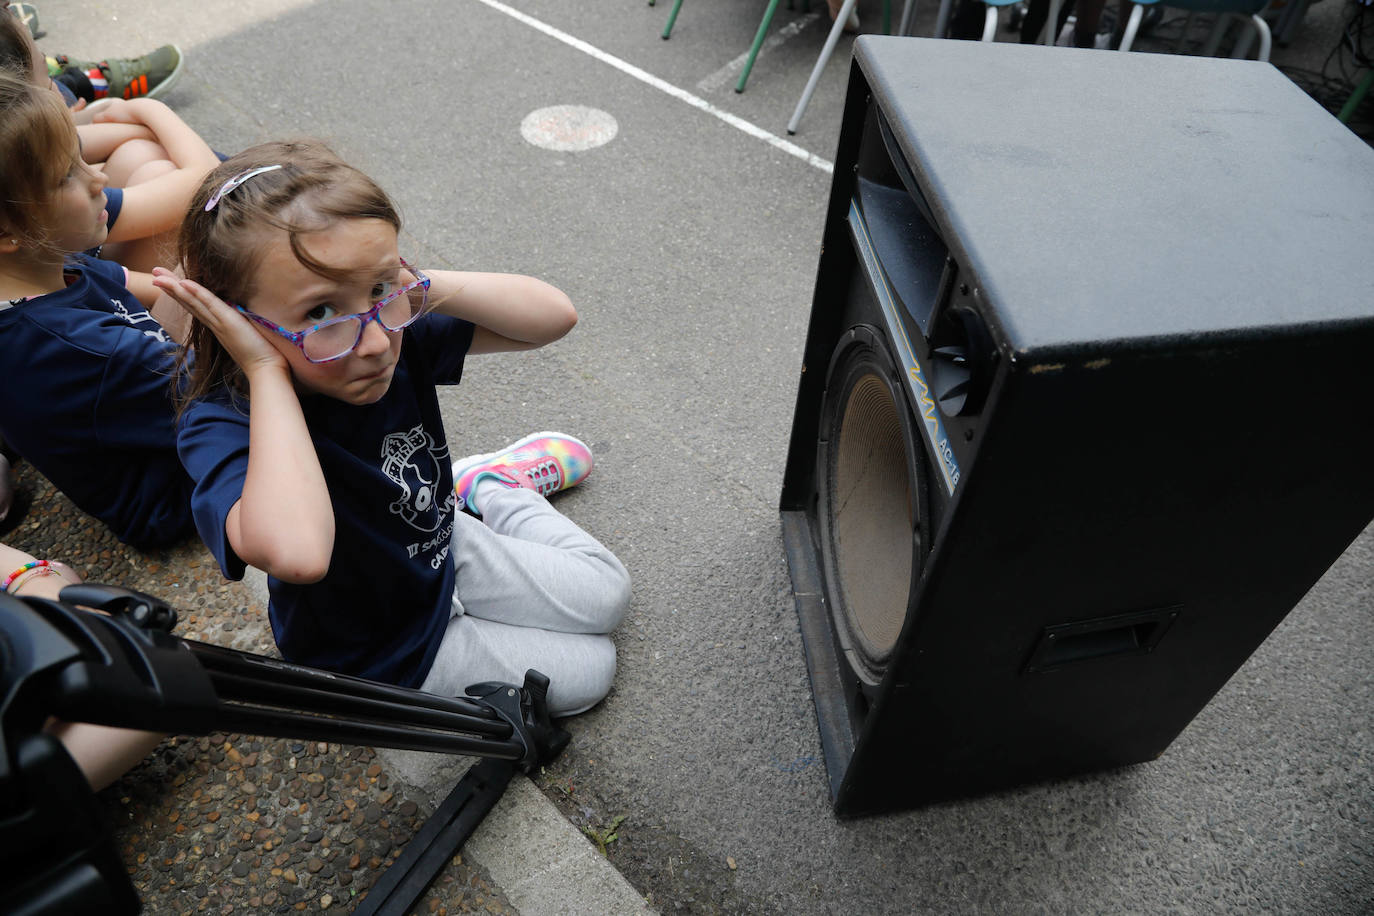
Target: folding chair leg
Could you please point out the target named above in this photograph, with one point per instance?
(1265, 37)
(1050, 33)
(1292, 15)
(1183, 32)
(1242, 48)
(1132, 26)
(990, 24)
(904, 26)
(1218, 32)
(942, 18)
(1356, 97)
(830, 41)
(758, 43)
(672, 18)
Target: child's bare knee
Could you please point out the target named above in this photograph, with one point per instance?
(150, 170)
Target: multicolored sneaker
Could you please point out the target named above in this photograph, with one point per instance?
(545, 462)
(148, 76)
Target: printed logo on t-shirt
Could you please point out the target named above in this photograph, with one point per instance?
(141, 318)
(411, 459)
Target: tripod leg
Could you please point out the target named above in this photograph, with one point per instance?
(401, 885)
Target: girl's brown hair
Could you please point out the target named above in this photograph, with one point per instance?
(16, 47)
(220, 248)
(37, 150)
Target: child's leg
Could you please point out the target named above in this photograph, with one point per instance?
(103, 753)
(532, 590)
(133, 163)
(579, 666)
(527, 565)
(136, 161)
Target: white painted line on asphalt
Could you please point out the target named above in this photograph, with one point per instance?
(730, 72)
(753, 130)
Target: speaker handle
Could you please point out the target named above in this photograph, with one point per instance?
(1101, 638)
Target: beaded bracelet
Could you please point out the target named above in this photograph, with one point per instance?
(36, 573)
(36, 564)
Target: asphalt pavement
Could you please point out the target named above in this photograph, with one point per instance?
(689, 242)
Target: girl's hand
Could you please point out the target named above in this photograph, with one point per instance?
(84, 113)
(124, 111)
(249, 347)
(113, 111)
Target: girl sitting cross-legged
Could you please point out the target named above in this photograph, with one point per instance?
(312, 429)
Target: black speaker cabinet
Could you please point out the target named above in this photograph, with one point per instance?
(1087, 404)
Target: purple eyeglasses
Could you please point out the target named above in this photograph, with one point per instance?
(338, 337)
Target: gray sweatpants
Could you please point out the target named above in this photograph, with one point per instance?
(532, 590)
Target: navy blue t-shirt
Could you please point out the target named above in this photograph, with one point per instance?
(381, 609)
(114, 202)
(85, 399)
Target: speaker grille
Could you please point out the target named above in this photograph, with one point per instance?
(870, 506)
(872, 516)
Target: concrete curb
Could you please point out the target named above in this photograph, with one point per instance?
(540, 861)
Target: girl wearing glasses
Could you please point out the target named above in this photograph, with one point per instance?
(312, 429)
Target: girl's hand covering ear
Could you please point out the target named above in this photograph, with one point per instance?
(247, 344)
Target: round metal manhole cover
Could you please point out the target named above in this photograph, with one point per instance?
(569, 128)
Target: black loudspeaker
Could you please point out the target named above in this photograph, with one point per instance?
(1085, 407)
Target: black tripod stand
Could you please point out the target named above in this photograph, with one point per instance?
(57, 854)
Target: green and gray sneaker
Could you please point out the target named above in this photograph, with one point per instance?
(148, 76)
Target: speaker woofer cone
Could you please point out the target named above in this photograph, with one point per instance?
(871, 503)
